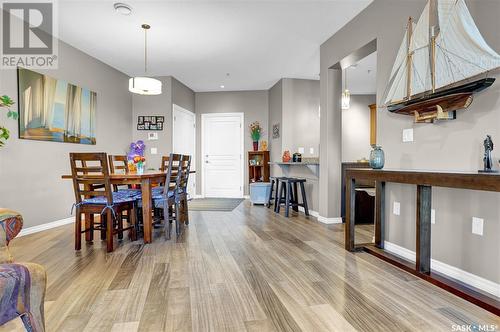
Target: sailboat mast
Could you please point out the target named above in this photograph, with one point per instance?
(434, 30)
(409, 56)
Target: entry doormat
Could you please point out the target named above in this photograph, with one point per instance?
(214, 204)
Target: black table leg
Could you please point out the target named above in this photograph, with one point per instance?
(423, 243)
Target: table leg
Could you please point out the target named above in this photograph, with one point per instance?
(379, 214)
(146, 210)
(350, 214)
(423, 243)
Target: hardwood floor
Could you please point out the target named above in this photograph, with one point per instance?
(246, 270)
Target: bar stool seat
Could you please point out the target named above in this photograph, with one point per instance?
(290, 197)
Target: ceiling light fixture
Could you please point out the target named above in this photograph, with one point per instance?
(222, 86)
(144, 85)
(346, 95)
(122, 8)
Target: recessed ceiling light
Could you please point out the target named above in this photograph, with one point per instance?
(123, 8)
(222, 86)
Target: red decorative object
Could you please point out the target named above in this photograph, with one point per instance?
(256, 145)
(286, 156)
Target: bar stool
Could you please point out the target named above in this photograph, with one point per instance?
(290, 198)
(275, 182)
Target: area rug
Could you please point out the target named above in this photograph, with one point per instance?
(214, 204)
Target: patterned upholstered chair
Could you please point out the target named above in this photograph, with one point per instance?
(22, 285)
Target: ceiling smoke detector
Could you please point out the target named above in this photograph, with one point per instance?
(122, 8)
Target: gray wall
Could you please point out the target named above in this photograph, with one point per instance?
(174, 92)
(275, 117)
(155, 105)
(254, 105)
(294, 103)
(30, 171)
(454, 145)
(301, 115)
(356, 128)
(182, 95)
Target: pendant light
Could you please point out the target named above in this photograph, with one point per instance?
(346, 95)
(144, 85)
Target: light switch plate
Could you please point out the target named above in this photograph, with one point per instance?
(311, 151)
(154, 151)
(477, 226)
(396, 208)
(152, 136)
(301, 150)
(433, 216)
(408, 135)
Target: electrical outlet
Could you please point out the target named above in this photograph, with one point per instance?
(433, 216)
(408, 135)
(301, 150)
(396, 208)
(154, 151)
(311, 151)
(152, 136)
(477, 226)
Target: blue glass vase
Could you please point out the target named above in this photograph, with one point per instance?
(377, 157)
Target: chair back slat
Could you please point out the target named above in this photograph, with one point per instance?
(184, 172)
(90, 172)
(171, 181)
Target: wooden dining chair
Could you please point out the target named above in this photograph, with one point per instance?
(166, 198)
(94, 195)
(182, 192)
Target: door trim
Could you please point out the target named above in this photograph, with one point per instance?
(177, 108)
(205, 116)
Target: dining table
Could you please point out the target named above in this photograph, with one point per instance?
(146, 180)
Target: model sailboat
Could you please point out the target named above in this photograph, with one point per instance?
(441, 63)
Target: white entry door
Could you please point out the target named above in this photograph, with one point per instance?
(222, 154)
(184, 139)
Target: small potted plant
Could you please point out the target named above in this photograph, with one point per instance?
(135, 157)
(6, 102)
(255, 132)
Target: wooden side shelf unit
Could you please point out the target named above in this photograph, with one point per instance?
(423, 181)
(258, 166)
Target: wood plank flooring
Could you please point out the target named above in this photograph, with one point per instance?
(245, 270)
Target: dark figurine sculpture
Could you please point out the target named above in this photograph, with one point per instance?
(488, 161)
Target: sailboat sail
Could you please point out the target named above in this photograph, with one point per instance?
(419, 48)
(461, 51)
(398, 81)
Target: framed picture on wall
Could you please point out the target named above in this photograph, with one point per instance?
(150, 122)
(276, 130)
(55, 110)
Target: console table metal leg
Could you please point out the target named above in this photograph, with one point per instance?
(379, 214)
(350, 214)
(423, 243)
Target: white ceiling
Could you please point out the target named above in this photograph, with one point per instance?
(198, 42)
(362, 78)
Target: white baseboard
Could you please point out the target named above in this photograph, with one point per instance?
(44, 227)
(326, 220)
(321, 219)
(468, 278)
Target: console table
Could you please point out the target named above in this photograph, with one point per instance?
(424, 181)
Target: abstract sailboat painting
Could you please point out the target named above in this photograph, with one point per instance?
(443, 60)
